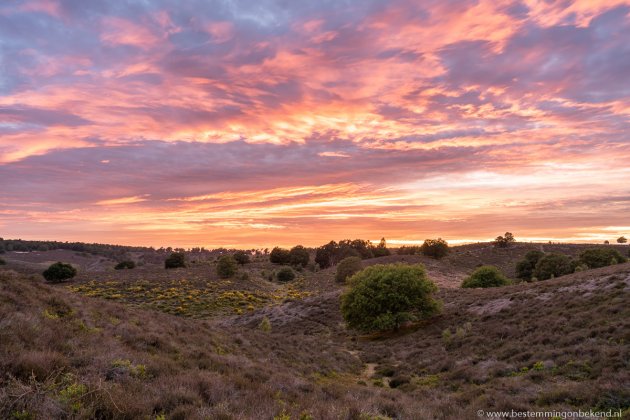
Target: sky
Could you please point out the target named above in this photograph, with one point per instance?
(276, 122)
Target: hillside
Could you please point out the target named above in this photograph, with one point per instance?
(112, 344)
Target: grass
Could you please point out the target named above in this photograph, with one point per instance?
(116, 345)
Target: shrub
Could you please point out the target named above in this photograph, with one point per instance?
(59, 272)
(299, 256)
(553, 265)
(408, 250)
(486, 276)
(265, 325)
(175, 260)
(125, 265)
(241, 257)
(285, 274)
(347, 267)
(504, 241)
(622, 240)
(601, 257)
(435, 248)
(525, 267)
(226, 266)
(2, 262)
(382, 297)
(280, 256)
(325, 254)
(381, 249)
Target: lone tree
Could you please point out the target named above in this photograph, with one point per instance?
(59, 272)
(381, 250)
(299, 256)
(175, 260)
(553, 265)
(504, 241)
(241, 257)
(383, 297)
(226, 266)
(435, 248)
(622, 240)
(486, 276)
(347, 267)
(280, 256)
(125, 265)
(525, 267)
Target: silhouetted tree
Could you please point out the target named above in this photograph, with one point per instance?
(175, 260)
(299, 256)
(622, 240)
(435, 248)
(241, 257)
(280, 256)
(504, 241)
(226, 266)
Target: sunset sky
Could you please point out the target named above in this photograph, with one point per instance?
(258, 123)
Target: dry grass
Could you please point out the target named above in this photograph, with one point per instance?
(560, 344)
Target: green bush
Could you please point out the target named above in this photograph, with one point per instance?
(125, 265)
(382, 297)
(435, 248)
(347, 267)
(175, 260)
(59, 272)
(601, 257)
(241, 257)
(486, 276)
(285, 274)
(299, 256)
(553, 265)
(525, 267)
(226, 266)
(280, 256)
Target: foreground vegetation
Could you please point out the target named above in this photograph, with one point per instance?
(151, 342)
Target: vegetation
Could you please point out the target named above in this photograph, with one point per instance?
(2, 262)
(622, 240)
(285, 275)
(333, 252)
(553, 265)
(175, 260)
(226, 266)
(59, 272)
(299, 256)
(505, 240)
(435, 248)
(383, 297)
(128, 264)
(381, 250)
(280, 256)
(346, 268)
(241, 257)
(409, 250)
(486, 276)
(601, 257)
(525, 267)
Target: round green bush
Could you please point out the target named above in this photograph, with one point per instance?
(125, 265)
(59, 272)
(486, 276)
(175, 260)
(226, 266)
(553, 265)
(382, 297)
(241, 257)
(347, 267)
(601, 257)
(285, 274)
(435, 248)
